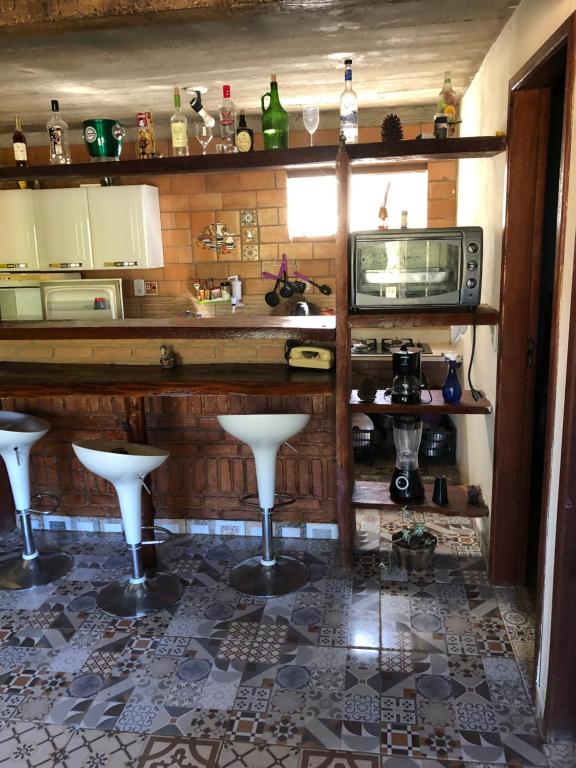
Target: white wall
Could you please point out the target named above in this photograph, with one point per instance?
(481, 190)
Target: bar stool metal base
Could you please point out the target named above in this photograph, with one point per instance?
(132, 601)
(17, 573)
(253, 578)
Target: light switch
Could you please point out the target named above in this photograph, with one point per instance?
(139, 288)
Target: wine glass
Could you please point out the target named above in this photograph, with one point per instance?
(311, 118)
(204, 135)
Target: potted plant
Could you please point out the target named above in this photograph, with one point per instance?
(414, 547)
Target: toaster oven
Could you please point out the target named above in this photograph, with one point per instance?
(396, 268)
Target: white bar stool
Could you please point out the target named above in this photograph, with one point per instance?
(18, 433)
(125, 465)
(264, 434)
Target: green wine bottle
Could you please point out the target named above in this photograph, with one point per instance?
(275, 122)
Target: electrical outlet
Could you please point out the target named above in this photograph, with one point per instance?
(139, 288)
(151, 288)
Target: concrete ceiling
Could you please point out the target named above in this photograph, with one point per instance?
(117, 67)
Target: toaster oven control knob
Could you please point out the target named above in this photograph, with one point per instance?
(472, 266)
(473, 247)
(471, 283)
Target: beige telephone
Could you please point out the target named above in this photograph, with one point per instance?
(311, 357)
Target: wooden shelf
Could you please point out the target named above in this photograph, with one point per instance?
(318, 327)
(409, 151)
(376, 495)
(482, 315)
(423, 150)
(53, 379)
(382, 404)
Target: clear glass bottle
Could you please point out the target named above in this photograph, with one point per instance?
(349, 108)
(58, 137)
(19, 144)
(227, 117)
(179, 128)
(275, 119)
(451, 389)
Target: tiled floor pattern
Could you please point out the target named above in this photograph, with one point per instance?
(360, 669)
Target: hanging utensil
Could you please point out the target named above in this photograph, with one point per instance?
(325, 289)
(272, 298)
(287, 289)
(383, 212)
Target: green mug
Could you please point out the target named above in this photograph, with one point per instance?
(103, 138)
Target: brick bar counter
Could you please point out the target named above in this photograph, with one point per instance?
(207, 472)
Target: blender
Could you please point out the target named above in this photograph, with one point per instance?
(406, 485)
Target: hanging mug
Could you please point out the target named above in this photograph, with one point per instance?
(103, 139)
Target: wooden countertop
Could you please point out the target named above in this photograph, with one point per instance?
(56, 379)
(233, 326)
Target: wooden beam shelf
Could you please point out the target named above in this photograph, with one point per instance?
(54, 379)
(438, 318)
(371, 494)
(382, 404)
(235, 326)
(409, 151)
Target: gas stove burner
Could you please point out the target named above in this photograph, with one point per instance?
(394, 345)
(365, 346)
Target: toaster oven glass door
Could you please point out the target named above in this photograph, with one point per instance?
(410, 271)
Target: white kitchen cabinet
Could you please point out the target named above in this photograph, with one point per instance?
(63, 229)
(125, 226)
(18, 249)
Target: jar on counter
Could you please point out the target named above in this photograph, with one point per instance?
(225, 290)
(441, 127)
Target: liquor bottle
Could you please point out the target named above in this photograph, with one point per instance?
(19, 144)
(244, 135)
(448, 103)
(146, 144)
(275, 120)
(58, 137)
(179, 127)
(349, 108)
(227, 117)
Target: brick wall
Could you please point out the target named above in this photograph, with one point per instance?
(207, 472)
(189, 202)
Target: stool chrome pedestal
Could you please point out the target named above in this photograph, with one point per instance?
(18, 433)
(125, 465)
(267, 575)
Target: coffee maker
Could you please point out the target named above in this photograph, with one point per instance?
(406, 485)
(407, 381)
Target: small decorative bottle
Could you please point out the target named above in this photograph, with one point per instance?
(451, 389)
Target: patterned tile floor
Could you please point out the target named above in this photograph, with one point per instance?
(360, 669)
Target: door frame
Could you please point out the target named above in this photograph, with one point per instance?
(509, 516)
